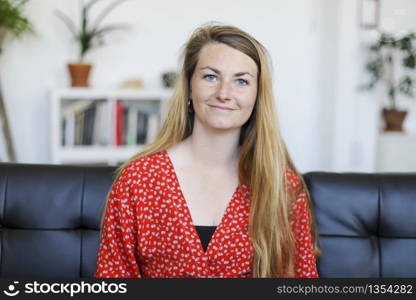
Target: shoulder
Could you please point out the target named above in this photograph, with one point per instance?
(144, 167)
(145, 163)
(138, 174)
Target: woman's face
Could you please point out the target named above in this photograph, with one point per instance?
(223, 87)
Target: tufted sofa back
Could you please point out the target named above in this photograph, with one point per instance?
(50, 214)
(366, 223)
(49, 218)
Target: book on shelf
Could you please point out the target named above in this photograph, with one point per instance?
(132, 125)
(119, 123)
(78, 127)
(125, 125)
(153, 127)
(89, 122)
(99, 131)
(82, 123)
(137, 123)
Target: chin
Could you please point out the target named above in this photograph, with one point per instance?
(216, 123)
(222, 126)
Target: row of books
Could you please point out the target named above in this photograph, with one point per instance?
(94, 122)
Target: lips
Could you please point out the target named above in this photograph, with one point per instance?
(221, 107)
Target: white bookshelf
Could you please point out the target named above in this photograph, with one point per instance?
(110, 153)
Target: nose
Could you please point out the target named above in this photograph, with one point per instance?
(223, 92)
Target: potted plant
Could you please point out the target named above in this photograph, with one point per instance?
(393, 62)
(13, 22)
(12, 19)
(89, 35)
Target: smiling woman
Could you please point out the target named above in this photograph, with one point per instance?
(223, 87)
(216, 194)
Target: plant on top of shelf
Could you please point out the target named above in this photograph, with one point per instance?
(89, 35)
(382, 66)
(12, 19)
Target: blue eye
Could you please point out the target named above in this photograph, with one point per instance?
(242, 82)
(210, 77)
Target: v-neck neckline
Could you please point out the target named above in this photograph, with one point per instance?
(190, 221)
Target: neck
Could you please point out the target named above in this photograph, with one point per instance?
(214, 149)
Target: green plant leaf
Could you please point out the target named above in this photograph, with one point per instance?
(374, 47)
(381, 64)
(405, 43)
(108, 28)
(88, 36)
(392, 92)
(406, 86)
(410, 61)
(12, 18)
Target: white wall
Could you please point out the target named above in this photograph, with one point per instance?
(292, 31)
(357, 114)
(315, 46)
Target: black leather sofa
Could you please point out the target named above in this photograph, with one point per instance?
(49, 216)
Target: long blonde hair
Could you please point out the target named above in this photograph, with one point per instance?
(263, 155)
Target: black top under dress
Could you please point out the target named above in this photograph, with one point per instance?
(205, 233)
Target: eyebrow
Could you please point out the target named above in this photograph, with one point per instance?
(218, 71)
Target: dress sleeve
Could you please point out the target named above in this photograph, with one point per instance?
(116, 254)
(305, 260)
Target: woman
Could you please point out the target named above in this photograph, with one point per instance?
(216, 194)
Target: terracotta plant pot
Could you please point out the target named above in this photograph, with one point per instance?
(79, 74)
(394, 119)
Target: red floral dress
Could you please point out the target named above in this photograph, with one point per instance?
(148, 229)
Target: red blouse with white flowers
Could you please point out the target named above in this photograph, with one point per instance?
(148, 229)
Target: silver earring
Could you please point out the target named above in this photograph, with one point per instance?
(189, 106)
